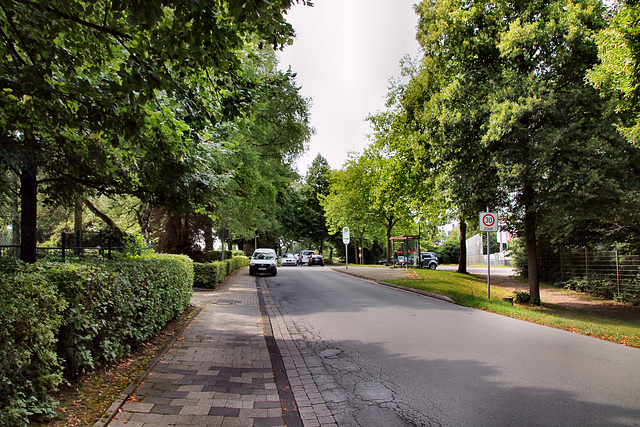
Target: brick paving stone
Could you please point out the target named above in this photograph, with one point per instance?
(218, 373)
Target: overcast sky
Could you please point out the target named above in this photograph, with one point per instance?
(345, 53)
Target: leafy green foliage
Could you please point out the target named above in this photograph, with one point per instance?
(61, 318)
(134, 245)
(501, 107)
(116, 306)
(30, 315)
(521, 297)
(209, 275)
(125, 97)
(616, 74)
(605, 287)
(450, 251)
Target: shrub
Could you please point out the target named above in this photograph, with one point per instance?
(518, 254)
(80, 315)
(521, 297)
(118, 305)
(450, 251)
(209, 275)
(30, 314)
(598, 286)
(134, 245)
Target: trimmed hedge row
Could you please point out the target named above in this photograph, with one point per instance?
(211, 274)
(96, 312)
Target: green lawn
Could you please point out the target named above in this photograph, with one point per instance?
(472, 292)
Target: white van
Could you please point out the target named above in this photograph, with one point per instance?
(305, 257)
(263, 260)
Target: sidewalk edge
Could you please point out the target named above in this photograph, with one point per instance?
(114, 409)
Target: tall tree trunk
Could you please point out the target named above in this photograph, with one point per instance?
(144, 219)
(462, 261)
(355, 253)
(77, 225)
(389, 230)
(115, 231)
(77, 216)
(15, 219)
(28, 213)
(531, 244)
(207, 230)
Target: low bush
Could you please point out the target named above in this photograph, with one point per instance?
(116, 306)
(521, 297)
(30, 315)
(211, 274)
(606, 288)
(62, 318)
(205, 257)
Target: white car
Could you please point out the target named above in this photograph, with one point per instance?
(305, 257)
(263, 261)
(288, 259)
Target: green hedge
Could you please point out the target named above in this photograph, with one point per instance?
(211, 274)
(96, 312)
(30, 314)
(116, 306)
(206, 257)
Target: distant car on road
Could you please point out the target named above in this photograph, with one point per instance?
(305, 256)
(288, 259)
(382, 262)
(316, 259)
(263, 260)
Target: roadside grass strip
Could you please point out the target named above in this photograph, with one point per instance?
(470, 291)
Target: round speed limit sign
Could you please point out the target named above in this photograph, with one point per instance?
(488, 221)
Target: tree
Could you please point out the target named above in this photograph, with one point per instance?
(514, 74)
(314, 188)
(348, 201)
(89, 90)
(616, 73)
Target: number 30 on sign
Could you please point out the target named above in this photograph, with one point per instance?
(488, 221)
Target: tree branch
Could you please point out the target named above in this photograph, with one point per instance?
(77, 20)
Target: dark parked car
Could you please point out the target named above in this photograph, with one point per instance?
(316, 259)
(429, 260)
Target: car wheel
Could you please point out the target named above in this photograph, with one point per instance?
(433, 265)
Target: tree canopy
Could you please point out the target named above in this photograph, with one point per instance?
(501, 106)
(117, 96)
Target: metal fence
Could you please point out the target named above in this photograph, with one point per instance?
(71, 244)
(611, 274)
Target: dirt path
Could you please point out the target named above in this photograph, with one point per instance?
(572, 299)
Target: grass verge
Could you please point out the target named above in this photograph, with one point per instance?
(470, 292)
(83, 402)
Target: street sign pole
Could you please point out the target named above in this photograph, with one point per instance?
(346, 237)
(488, 223)
(488, 267)
(346, 255)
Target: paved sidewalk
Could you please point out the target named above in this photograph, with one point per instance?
(218, 373)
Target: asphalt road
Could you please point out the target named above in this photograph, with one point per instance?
(383, 357)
